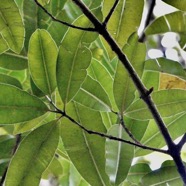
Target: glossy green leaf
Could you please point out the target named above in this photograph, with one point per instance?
(180, 4)
(82, 146)
(124, 21)
(137, 171)
(162, 177)
(7, 143)
(3, 47)
(92, 95)
(13, 61)
(173, 22)
(164, 100)
(123, 86)
(153, 136)
(33, 156)
(10, 80)
(42, 66)
(11, 25)
(73, 59)
(166, 66)
(118, 156)
(18, 104)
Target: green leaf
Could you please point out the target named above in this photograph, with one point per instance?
(18, 104)
(11, 25)
(3, 47)
(180, 4)
(7, 143)
(82, 146)
(92, 95)
(30, 17)
(161, 177)
(173, 22)
(166, 66)
(124, 21)
(153, 136)
(33, 156)
(118, 156)
(104, 78)
(10, 80)
(42, 66)
(73, 59)
(164, 100)
(137, 171)
(123, 86)
(13, 61)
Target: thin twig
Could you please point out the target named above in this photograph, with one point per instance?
(148, 18)
(63, 22)
(113, 137)
(110, 13)
(127, 130)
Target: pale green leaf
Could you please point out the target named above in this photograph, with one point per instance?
(104, 78)
(33, 156)
(82, 146)
(18, 104)
(13, 61)
(124, 21)
(166, 66)
(162, 177)
(71, 71)
(180, 4)
(92, 95)
(153, 136)
(10, 80)
(123, 86)
(11, 25)
(173, 22)
(164, 100)
(118, 155)
(42, 56)
(73, 59)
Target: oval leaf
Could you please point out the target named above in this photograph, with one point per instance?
(118, 155)
(124, 21)
(164, 100)
(92, 95)
(82, 146)
(33, 156)
(11, 25)
(18, 104)
(10, 80)
(173, 22)
(73, 59)
(124, 88)
(42, 66)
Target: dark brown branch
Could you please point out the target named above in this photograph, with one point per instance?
(110, 13)
(113, 137)
(148, 18)
(63, 22)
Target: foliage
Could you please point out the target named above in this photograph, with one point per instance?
(67, 94)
